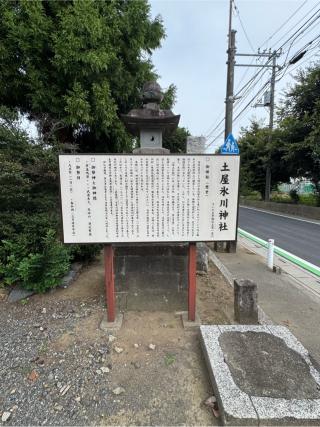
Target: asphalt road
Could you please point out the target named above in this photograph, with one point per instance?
(301, 238)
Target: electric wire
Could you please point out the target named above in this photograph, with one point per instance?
(242, 26)
(240, 113)
(300, 28)
(250, 85)
(284, 24)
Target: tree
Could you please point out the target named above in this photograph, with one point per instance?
(30, 252)
(75, 66)
(255, 153)
(300, 127)
(169, 98)
(176, 142)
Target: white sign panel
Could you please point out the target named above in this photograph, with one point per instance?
(148, 198)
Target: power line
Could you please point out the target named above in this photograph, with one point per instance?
(307, 58)
(242, 26)
(240, 113)
(247, 88)
(303, 25)
(301, 52)
(284, 24)
(292, 43)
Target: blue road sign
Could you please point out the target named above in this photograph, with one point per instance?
(230, 146)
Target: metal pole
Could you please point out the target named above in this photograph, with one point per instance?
(109, 283)
(272, 90)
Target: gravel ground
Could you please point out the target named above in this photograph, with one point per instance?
(58, 368)
(37, 364)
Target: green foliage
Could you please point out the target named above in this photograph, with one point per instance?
(35, 271)
(300, 127)
(169, 359)
(251, 195)
(294, 196)
(75, 66)
(84, 253)
(176, 142)
(256, 153)
(29, 211)
(169, 98)
(280, 197)
(295, 148)
(308, 199)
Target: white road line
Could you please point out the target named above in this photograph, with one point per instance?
(277, 214)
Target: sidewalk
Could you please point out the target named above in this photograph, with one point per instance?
(291, 298)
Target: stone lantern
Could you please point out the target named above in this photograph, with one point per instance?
(150, 123)
(151, 275)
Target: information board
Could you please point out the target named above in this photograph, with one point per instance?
(148, 198)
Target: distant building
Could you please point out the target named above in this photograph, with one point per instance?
(196, 144)
(302, 185)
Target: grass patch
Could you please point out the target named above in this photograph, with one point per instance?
(169, 359)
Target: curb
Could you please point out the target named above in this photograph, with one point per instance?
(264, 319)
(285, 254)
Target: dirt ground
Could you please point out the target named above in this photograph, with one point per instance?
(59, 368)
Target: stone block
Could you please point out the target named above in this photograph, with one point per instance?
(202, 257)
(261, 375)
(155, 264)
(149, 150)
(181, 249)
(119, 265)
(144, 281)
(157, 300)
(17, 294)
(220, 246)
(245, 301)
(183, 283)
(143, 250)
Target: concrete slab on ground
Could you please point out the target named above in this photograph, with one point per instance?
(261, 375)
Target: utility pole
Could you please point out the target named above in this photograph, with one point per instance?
(270, 55)
(272, 90)
(230, 82)
(232, 245)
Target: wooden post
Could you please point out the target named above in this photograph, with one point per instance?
(192, 268)
(109, 282)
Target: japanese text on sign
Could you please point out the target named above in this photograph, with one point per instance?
(137, 198)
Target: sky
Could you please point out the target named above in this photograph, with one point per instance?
(193, 55)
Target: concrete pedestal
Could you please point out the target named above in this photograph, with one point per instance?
(245, 302)
(149, 271)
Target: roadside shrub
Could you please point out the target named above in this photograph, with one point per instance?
(308, 199)
(281, 198)
(293, 193)
(84, 253)
(252, 195)
(37, 271)
(30, 253)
